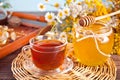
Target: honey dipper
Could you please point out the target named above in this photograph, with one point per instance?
(87, 20)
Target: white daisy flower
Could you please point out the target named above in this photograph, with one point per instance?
(69, 1)
(41, 7)
(79, 3)
(50, 35)
(63, 35)
(1, 3)
(52, 23)
(61, 14)
(75, 9)
(46, 0)
(66, 11)
(49, 17)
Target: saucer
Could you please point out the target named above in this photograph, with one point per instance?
(32, 69)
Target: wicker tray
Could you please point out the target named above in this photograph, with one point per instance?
(79, 71)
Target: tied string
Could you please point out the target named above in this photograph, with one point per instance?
(103, 38)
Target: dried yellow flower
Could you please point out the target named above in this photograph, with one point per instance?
(100, 8)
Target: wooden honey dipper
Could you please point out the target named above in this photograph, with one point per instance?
(87, 20)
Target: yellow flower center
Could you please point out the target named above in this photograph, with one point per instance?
(52, 23)
(66, 12)
(56, 5)
(60, 14)
(79, 3)
(46, 0)
(49, 16)
(68, 1)
(41, 6)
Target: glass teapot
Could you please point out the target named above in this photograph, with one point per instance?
(3, 16)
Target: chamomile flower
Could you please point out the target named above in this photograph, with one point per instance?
(66, 11)
(63, 35)
(49, 17)
(56, 5)
(79, 3)
(46, 0)
(69, 1)
(1, 3)
(61, 14)
(75, 9)
(52, 23)
(41, 7)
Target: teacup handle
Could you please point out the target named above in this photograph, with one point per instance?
(26, 52)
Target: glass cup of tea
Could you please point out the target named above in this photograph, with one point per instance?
(48, 55)
(93, 44)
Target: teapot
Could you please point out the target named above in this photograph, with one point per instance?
(3, 16)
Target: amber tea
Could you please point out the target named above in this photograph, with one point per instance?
(48, 54)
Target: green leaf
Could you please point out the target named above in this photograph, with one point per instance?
(6, 5)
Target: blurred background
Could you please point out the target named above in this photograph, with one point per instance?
(31, 5)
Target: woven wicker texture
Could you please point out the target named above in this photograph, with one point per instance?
(79, 71)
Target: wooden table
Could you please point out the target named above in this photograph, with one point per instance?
(5, 66)
(6, 73)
